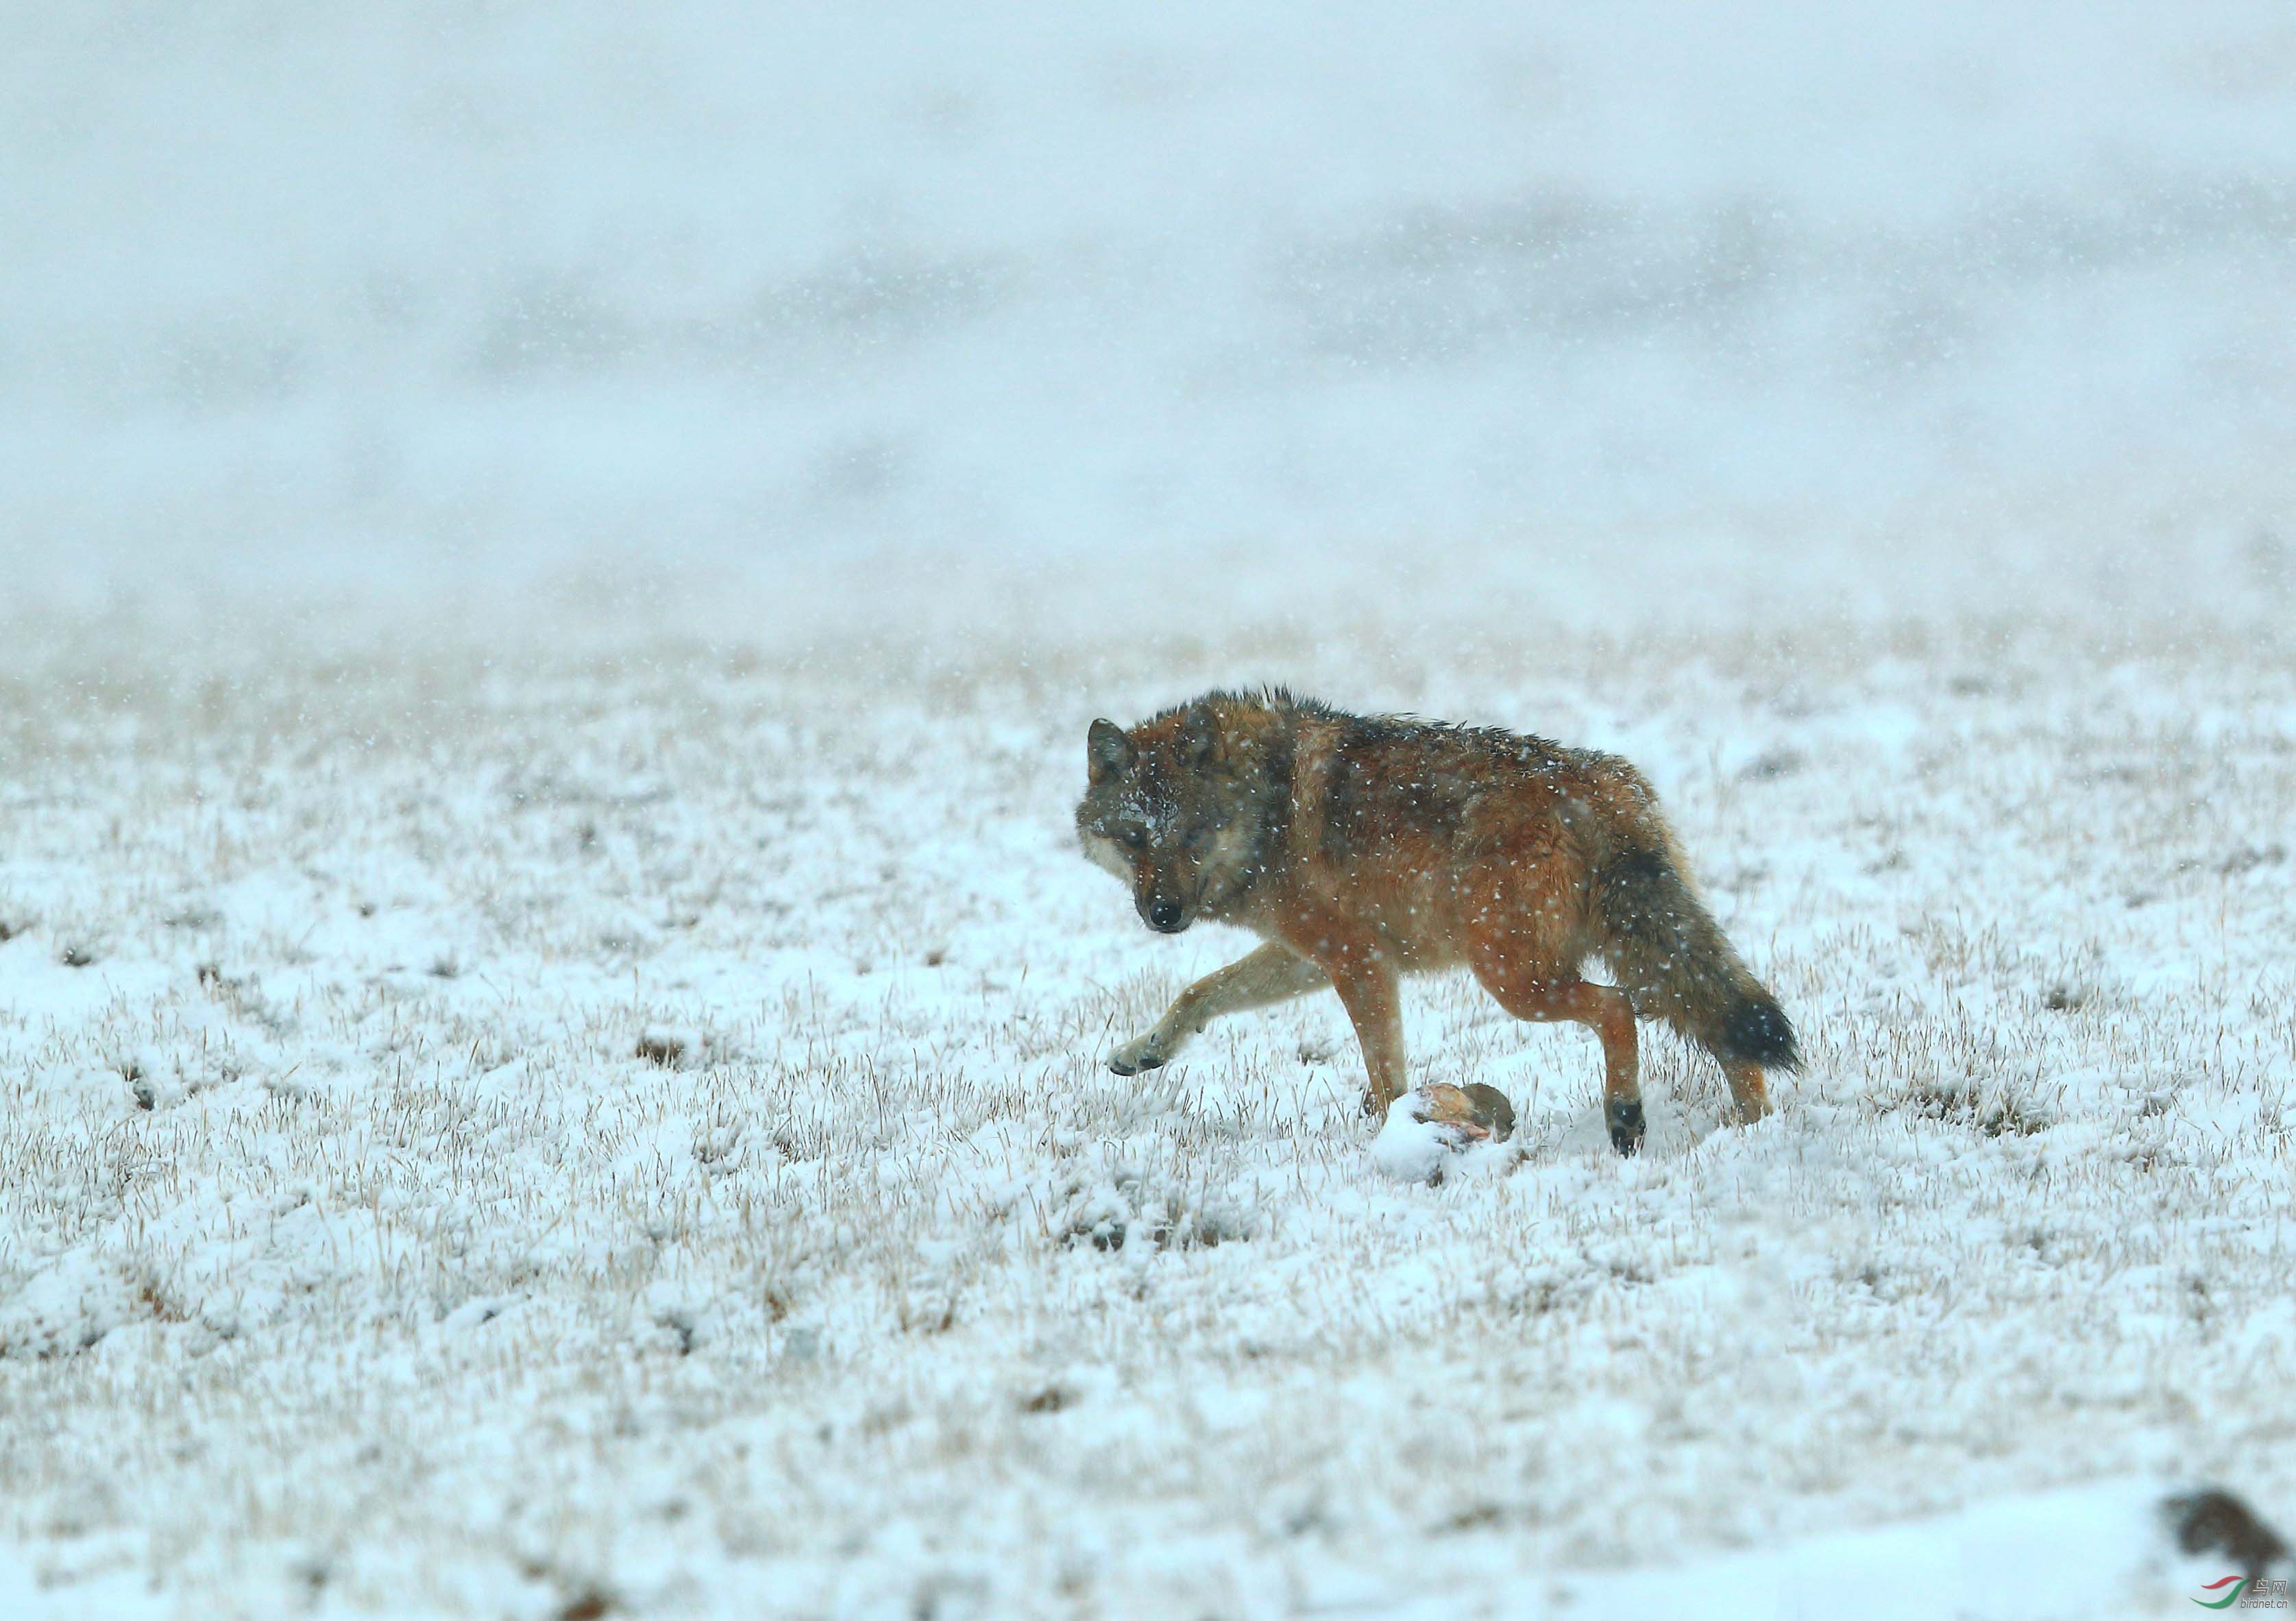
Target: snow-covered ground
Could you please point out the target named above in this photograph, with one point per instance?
(508, 1127)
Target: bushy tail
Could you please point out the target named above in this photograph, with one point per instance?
(1672, 959)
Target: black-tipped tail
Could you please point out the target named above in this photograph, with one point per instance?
(1675, 962)
(1756, 1030)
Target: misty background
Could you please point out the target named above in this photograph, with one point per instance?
(802, 311)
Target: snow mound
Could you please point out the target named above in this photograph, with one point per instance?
(64, 1308)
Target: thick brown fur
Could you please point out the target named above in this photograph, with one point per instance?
(1361, 849)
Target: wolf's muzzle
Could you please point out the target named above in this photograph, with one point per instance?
(1165, 917)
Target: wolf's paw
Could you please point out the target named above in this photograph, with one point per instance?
(1625, 1119)
(1144, 1053)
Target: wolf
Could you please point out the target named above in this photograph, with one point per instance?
(1364, 848)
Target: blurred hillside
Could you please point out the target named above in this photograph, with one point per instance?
(1885, 305)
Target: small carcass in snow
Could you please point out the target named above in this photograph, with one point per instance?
(1430, 1126)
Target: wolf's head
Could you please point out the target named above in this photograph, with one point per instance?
(1183, 808)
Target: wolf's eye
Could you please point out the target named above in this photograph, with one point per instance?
(1131, 838)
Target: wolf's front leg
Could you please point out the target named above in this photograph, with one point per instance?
(1273, 973)
(1374, 998)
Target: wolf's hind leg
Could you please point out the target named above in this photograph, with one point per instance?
(1272, 974)
(1603, 1009)
(1748, 1089)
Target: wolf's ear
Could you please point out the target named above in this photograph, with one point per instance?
(1199, 737)
(1108, 752)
